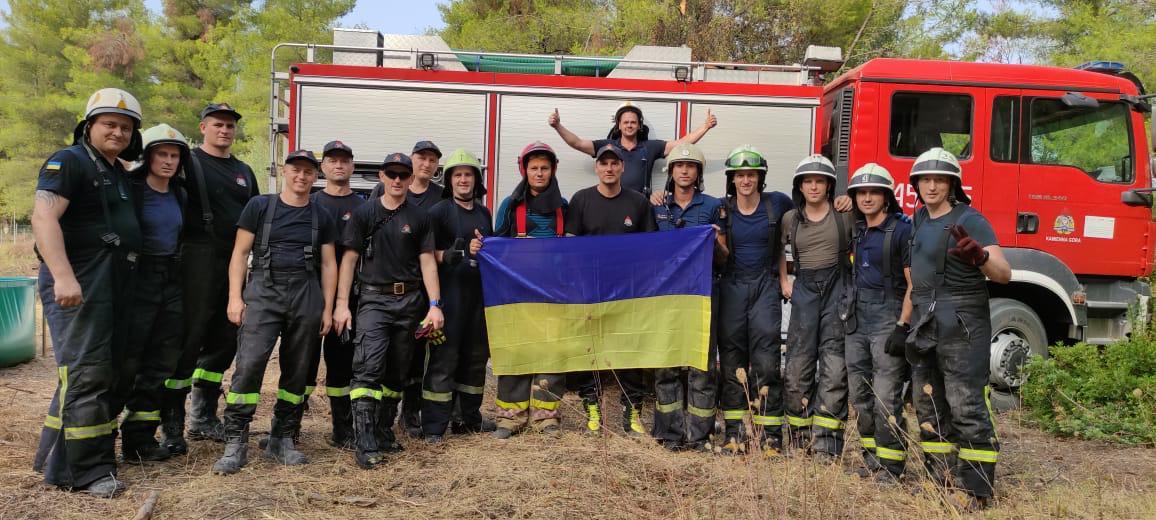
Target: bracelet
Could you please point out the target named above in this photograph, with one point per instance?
(986, 255)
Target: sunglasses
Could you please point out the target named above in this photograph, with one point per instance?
(746, 160)
(398, 174)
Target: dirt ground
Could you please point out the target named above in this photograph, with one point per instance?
(574, 476)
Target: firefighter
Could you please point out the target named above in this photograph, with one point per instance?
(535, 209)
(815, 380)
(87, 237)
(291, 239)
(609, 209)
(393, 240)
(339, 201)
(876, 314)
(219, 186)
(155, 339)
(685, 409)
(954, 252)
(750, 305)
(457, 369)
(632, 137)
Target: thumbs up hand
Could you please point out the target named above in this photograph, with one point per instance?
(711, 120)
(476, 243)
(554, 120)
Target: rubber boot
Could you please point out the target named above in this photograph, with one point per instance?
(105, 487)
(342, 413)
(173, 423)
(386, 414)
(203, 420)
(367, 452)
(236, 453)
(280, 446)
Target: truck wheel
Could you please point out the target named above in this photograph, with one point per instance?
(1017, 333)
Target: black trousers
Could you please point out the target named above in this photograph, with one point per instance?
(750, 335)
(285, 304)
(457, 368)
(338, 357)
(384, 344)
(210, 341)
(875, 380)
(816, 374)
(79, 435)
(154, 347)
(686, 397)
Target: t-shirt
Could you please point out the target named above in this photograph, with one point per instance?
(160, 221)
(230, 184)
(818, 241)
(750, 236)
(340, 208)
(637, 162)
(703, 210)
(537, 225)
(452, 222)
(424, 200)
(403, 235)
(932, 240)
(70, 174)
(869, 255)
(290, 233)
(591, 213)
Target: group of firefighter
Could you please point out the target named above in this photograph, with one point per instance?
(163, 266)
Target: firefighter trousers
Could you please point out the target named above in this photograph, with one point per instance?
(457, 368)
(530, 398)
(749, 338)
(210, 339)
(875, 381)
(949, 350)
(154, 348)
(384, 345)
(684, 411)
(77, 441)
(278, 303)
(338, 357)
(816, 372)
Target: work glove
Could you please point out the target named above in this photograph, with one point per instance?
(427, 332)
(966, 248)
(897, 343)
(455, 254)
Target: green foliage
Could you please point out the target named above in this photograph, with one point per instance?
(1104, 393)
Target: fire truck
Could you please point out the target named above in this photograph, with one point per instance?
(1057, 159)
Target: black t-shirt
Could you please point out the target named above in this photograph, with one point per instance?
(230, 184)
(932, 240)
(291, 232)
(591, 213)
(71, 174)
(340, 208)
(452, 222)
(424, 200)
(403, 236)
(160, 221)
(638, 161)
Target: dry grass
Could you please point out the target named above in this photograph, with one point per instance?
(17, 258)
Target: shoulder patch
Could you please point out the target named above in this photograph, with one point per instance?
(52, 166)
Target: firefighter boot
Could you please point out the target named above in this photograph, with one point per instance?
(236, 453)
(342, 423)
(280, 446)
(105, 487)
(386, 414)
(173, 424)
(593, 416)
(632, 422)
(143, 449)
(411, 411)
(367, 454)
(734, 438)
(468, 415)
(204, 423)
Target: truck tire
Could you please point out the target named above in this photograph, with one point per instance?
(1017, 332)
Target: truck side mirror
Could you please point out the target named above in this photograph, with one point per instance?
(1136, 198)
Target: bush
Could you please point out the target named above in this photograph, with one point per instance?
(1096, 392)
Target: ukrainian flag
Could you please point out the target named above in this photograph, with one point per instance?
(573, 304)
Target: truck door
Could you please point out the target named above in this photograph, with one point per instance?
(1077, 159)
(1002, 170)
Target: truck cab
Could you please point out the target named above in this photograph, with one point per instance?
(1057, 159)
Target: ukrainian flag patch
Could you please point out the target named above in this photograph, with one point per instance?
(52, 166)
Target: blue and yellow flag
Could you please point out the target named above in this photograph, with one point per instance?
(558, 305)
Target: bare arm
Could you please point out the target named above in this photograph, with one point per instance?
(328, 284)
(237, 271)
(996, 268)
(905, 312)
(342, 318)
(585, 146)
(784, 282)
(46, 212)
(695, 135)
(429, 275)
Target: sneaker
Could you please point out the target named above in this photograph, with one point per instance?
(593, 417)
(632, 422)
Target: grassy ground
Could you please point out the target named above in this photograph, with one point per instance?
(17, 258)
(574, 476)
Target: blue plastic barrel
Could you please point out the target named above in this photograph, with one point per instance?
(17, 320)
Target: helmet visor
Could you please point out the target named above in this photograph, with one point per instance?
(745, 160)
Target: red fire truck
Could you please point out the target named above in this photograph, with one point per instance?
(1056, 158)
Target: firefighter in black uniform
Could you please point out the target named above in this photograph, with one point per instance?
(390, 248)
(457, 369)
(954, 252)
(219, 186)
(87, 237)
(291, 239)
(339, 201)
(155, 339)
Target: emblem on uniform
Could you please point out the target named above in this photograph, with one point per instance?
(405, 228)
(52, 166)
(241, 181)
(346, 215)
(1065, 225)
(628, 222)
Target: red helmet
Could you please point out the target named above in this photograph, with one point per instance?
(533, 148)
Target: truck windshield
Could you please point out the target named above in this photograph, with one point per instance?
(1095, 140)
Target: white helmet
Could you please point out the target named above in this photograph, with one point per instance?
(872, 175)
(164, 134)
(113, 101)
(813, 165)
(938, 161)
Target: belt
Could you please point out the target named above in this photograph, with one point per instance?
(394, 288)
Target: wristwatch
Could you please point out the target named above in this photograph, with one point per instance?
(435, 303)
